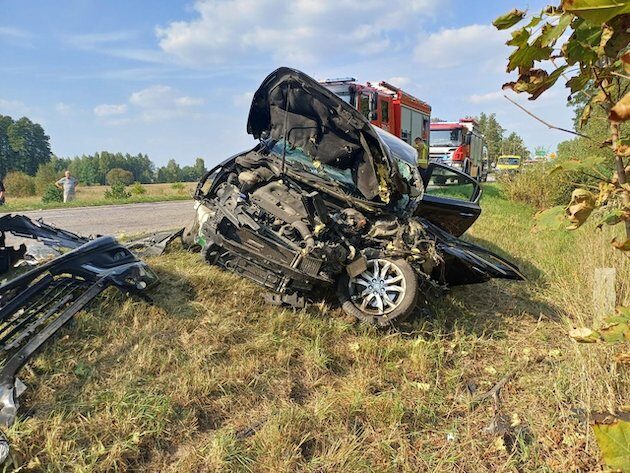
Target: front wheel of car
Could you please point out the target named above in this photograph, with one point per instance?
(385, 292)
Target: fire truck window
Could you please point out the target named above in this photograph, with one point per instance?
(385, 111)
(365, 106)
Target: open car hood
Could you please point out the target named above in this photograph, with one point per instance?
(324, 126)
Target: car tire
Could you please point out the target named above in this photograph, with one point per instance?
(404, 301)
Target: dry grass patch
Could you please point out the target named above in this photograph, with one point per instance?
(209, 378)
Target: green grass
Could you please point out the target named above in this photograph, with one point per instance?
(209, 378)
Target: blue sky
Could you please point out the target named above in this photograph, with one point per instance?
(174, 78)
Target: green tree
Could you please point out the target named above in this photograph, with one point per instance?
(23, 145)
(493, 133)
(46, 175)
(30, 145)
(119, 176)
(170, 173)
(514, 144)
(195, 172)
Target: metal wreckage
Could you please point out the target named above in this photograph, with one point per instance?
(53, 282)
(324, 203)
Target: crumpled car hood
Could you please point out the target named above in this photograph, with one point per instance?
(324, 126)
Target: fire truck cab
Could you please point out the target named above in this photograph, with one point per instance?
(460, 145)
(387, 107)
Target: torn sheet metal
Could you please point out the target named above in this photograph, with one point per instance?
(38, 303)
(154, 244)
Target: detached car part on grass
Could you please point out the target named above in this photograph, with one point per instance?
(326, 200)
(36, 304)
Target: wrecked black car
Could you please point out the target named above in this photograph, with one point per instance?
(325, 201)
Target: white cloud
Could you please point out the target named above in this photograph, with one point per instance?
(243, 100)
(189, 101)
(90, 40)
(63, 108)
(14, 33)
(296, 32)
(106, 110)
(163, 96)
(399, 81)
(484, 98)
(469, 45)
(152, 104)
(13, 107)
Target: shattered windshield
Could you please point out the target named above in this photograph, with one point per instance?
(298, 156)
(446, 137)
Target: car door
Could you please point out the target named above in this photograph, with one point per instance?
(450, 200)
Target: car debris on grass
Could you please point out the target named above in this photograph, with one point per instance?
(36, 304)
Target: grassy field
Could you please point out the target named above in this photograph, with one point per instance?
(209, 378)
(95, 195)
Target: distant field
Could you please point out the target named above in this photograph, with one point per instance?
(95, 195)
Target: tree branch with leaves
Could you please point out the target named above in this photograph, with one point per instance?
(584, 42)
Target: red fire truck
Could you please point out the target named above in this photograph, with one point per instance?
(386, 106)
(461, 145)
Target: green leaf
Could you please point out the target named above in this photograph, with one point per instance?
(613, 217)
(519, 38)
(614, 442)
(586, 114)
(535, 21)
(524, 57)
(550, 219)
(582, 44)
(580, 81)
(623, 312)
(578, 165)
(509, 19)
(550, 34)
(596, 11)
(615, 332)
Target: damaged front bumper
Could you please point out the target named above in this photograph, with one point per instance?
(38, 303)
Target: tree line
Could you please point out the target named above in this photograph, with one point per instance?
(497, 139)
(25, 147)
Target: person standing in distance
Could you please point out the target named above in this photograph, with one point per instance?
(423, 157)
(69, 186)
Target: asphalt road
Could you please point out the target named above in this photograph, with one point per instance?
(117, 219)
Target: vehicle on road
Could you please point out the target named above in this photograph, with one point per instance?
(386, 106)
(509, 164)
(460, 145)
(326, 202)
